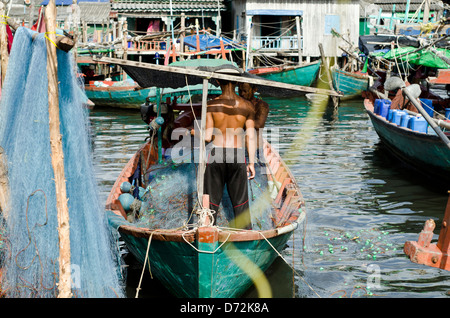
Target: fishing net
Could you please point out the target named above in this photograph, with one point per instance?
(170, 198)
(29, 235)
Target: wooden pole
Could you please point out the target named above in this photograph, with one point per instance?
(248, 61)
(299, 40)
(202, 153)
(64, 285)
(3, 46)
(182, 34)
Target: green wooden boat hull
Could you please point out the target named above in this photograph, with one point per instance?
(300, 75)
(187, 272)
(121, 97)
(130, 98)
(350, 85)
(425, 152)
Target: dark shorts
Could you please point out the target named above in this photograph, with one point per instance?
(226, 166)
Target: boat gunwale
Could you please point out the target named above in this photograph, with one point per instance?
(279, 68)
(368, 105)
(362, 77)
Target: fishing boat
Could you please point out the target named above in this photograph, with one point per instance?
(420, 149)
(165, 223)
(121, 94)
(350, 84)
(304, 74)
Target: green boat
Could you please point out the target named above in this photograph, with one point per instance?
(349, 84)
(304, 75)
(121, 94)
(425, 152)
(154, 205)
(206, 261)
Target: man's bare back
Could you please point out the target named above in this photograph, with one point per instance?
(230, 117)
(229, 120)
(227, 117)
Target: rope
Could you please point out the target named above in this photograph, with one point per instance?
(143, 267)
(204, 213)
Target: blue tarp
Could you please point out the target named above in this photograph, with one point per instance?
(208, 42)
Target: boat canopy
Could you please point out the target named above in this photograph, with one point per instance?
(372, 43)
(436, 58)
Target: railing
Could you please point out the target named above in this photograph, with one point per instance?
(270, 43)
(147, 46)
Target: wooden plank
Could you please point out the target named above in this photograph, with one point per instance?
(280, 192)
(204, 74)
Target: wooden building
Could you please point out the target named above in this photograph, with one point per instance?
(277, 27)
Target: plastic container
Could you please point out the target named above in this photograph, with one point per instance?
(391, 114)
(427, 104)
(384, 109)
(378, 103)
(418, 123)
(447, 113)
(397, 116)
(405, 120)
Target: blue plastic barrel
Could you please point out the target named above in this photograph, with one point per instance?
(427, 104)
(418, 123)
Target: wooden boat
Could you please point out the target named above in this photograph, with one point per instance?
(208, 261)
(350, 84)
(425, 152)
(122, 94)
(165, 231)
(304, 75)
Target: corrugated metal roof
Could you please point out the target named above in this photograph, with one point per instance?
(164, 6)
(90, 11)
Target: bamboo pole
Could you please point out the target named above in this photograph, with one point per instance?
(64, 285)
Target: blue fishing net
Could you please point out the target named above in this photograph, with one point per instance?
(29, 235)
(169, 200)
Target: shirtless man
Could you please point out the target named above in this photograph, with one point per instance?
(260, 107)
(227, 117)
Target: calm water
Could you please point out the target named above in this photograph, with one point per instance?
(362, 206)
